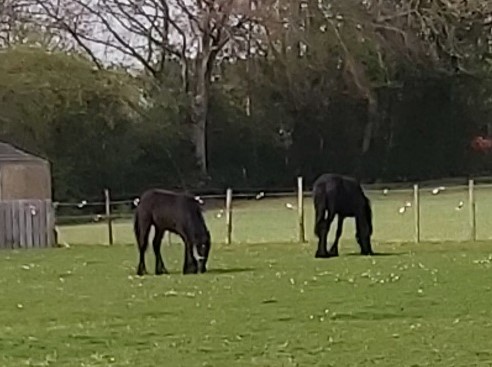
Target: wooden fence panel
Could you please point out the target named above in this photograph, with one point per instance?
(36, 230)
(3, 226)
(15, 210)
(9, 232)
(26, 224)
(44, 225)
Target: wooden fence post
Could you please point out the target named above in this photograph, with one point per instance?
(107, 200)
(300, 210)
(229, 216)
(472, 211)
(416, 207)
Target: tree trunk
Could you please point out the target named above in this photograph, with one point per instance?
(367, 138)
(370, 125)
(199, 112)
(199, 140)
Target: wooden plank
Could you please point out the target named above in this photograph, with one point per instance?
(3, 229)
(29, 208)
(50, 223)
(43, 240)
(14, 209)
(472, 211)
(43, 235)
(43, 220)
(9, 234)
(21, 207)
(229, 216)
(36, 238)
(107, 200)
(416, 208)
(300, 211)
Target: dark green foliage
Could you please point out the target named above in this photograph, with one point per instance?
(306, 118)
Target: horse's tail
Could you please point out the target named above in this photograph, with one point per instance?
(320, 207)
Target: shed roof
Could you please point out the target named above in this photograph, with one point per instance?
(9, 153)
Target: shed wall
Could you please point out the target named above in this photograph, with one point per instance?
(25, 180)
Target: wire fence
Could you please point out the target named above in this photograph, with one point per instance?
(401, 214)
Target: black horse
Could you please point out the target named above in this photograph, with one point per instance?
(343, 196)
(178, 213)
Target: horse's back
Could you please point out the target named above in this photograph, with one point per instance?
(342, 193)
(167, 209)
(166, 197)
(337, 183)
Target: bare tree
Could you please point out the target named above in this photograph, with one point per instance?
(147, 34)
(453, 34)
(12, 21)
(19, 25)
(450, 36)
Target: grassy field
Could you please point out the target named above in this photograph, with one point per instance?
(269, 220)
(260, 305)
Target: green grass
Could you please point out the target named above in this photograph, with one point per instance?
(269, 220)
(260, 305)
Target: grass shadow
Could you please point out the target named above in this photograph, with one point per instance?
(378, 254)
(151, 274)
(371, 316)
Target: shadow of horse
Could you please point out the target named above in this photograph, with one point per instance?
(230, 270)
(218, 271)
(378, 254)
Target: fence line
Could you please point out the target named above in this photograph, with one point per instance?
(233, 213)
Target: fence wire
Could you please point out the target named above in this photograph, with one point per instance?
(273, 217)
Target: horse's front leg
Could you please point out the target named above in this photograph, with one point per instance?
(156, 243)
(363, 237)
(334, 248)
(190, 265)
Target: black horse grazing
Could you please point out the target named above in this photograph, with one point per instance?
(343, 196)
(180, 214)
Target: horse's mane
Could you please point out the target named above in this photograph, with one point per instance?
(197, 216)
(186, 195)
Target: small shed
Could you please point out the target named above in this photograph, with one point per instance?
(26, 211)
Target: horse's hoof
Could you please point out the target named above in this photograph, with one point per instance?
(141, 272)
(321, 255)
(190, 271)
(161, 272)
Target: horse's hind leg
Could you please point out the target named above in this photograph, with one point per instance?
(322, 232)
(334, 248)
(156, 243)
(143, 242)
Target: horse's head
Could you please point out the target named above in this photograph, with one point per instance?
(201, 248)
